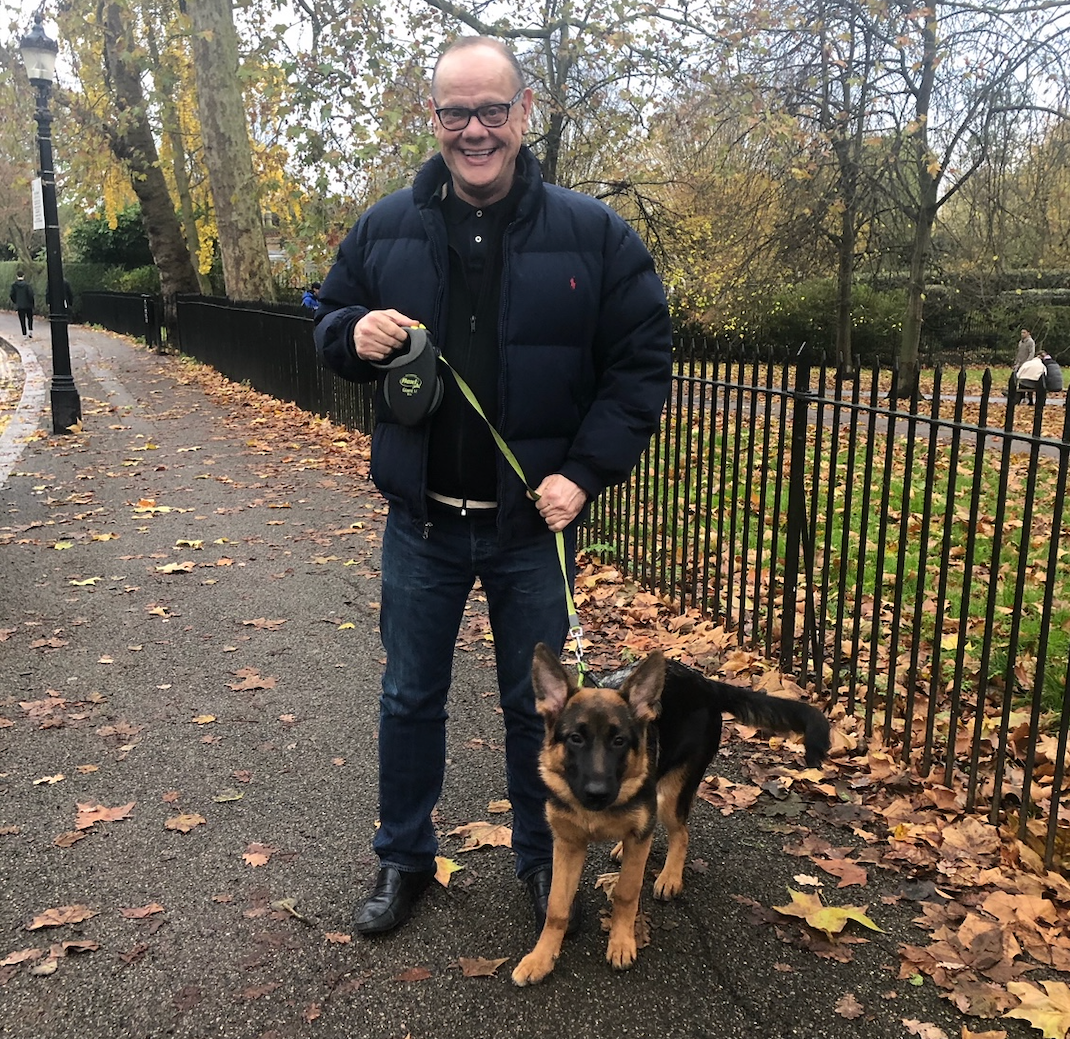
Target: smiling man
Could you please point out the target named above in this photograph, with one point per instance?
(547, 304)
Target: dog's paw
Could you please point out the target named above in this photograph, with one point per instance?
(618, 851)
(621, 952)
(533, 968)
(668, 887)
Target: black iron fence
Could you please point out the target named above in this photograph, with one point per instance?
(906, 556)
(129, 313)
(271, 348)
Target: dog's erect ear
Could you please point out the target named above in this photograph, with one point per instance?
(551, 682)
(643, 687)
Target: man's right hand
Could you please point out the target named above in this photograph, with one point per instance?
(380, 333)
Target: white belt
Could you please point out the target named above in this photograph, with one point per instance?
(461, 503)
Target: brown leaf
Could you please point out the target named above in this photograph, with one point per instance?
(849, 1007)
(479, 968)
(258, 854)
(923, 1029)
(142, 911)
(65, 840)
(185, 822)
(91, 814)
(483, 835)
(337, 938)
(312, 1011)
(413, 974)
(21, 956)
(264, 624)
(59, 916)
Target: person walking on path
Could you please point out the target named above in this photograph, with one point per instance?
(23, 299)
(311, 298)
(547, 304)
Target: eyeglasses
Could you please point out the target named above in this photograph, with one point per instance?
(491, 116)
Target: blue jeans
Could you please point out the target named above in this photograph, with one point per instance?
(426, 582)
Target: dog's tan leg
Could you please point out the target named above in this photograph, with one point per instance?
(568, 866)
(670, 881)
(618, 851)
(621, 951)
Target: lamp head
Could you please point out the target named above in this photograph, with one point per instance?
(39, 54)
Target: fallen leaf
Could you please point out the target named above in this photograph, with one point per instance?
(228, 795)
(1050, 1012)
(141, 912)
(59, 916)
(91, 814)
(185, 822)
(258, 854)
(479, 968)
(289, 905)
(483, 835)
(849, 1007)
(830, 919)
(444, 869)
(204, 719)
(413, 974)
(21, 957)
(65, 840)
(923, 1029)
(337, 938)
(51, 780)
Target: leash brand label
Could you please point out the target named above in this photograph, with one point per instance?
(410, 384)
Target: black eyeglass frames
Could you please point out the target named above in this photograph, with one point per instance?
(491, 116)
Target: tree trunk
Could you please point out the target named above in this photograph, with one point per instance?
(910, 346)
(227, 152)
(132, 143)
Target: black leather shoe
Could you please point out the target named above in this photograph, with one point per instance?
(539, 888)
(391, 901)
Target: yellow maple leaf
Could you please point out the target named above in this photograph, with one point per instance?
(1049, 1013)
(444, 869)
(830, 919)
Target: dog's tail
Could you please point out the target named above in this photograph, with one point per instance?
(775, 713)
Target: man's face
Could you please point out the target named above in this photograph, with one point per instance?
(482, 160)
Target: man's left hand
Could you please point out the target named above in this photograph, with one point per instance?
(560, 501)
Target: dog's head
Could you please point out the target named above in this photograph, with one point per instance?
(596, 739)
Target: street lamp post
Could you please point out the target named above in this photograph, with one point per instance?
(39, 57)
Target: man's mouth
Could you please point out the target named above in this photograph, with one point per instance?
(483, 153)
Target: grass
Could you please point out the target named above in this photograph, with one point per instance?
(975, 596)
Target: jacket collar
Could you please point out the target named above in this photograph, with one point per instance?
(432, 182)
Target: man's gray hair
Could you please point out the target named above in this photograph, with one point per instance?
(464, 42)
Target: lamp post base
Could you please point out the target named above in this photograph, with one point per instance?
(66, 407)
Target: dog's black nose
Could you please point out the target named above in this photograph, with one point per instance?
(597, 794)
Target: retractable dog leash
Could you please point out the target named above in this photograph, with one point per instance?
(413, 391)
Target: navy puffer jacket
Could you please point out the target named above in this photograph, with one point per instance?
(584, 335)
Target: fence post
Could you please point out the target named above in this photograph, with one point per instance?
(797, 540)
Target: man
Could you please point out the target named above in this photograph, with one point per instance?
(22, 296)
(1026, 349)
(311, 298)
(547, 304)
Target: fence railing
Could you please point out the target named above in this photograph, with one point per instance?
(906, 556)
(272, 350)
(129, 313)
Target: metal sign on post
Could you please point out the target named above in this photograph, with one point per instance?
(37, 198)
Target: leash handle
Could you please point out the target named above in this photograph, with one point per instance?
(575, 629)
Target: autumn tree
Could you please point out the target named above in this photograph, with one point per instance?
(227, 151)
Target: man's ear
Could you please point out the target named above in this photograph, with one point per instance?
(551, 682)
(642, 688)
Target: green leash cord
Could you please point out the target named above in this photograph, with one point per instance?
(575, 629)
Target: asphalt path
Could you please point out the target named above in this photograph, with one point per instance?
(112, 658)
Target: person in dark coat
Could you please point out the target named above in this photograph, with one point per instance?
(68, 296)
(547, 303)
(23, 299)
(1053, 379)
(311, 298)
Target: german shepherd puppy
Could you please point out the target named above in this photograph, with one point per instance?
(616, 759)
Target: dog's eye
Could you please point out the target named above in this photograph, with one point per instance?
(619, 741)
(576, 739)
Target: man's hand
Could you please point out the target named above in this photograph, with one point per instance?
(560, 501)
(380, 333)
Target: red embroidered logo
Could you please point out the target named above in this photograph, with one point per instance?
(572, 283)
